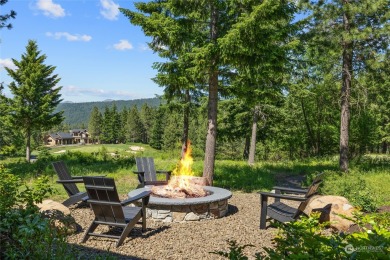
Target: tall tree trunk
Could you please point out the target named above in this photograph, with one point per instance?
(384, 147)
(252, 149)
(345, 94)
(209, 160)
(245, 154)
(186, 124)
(28, 145)
(308, 128)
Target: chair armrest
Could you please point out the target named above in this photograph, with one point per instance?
(80, 177)
(142, 195)
(70, 181)
(163, 171)
(167, 174)
(290, 189)
(281, 196)
(141, 177)
(156, 183)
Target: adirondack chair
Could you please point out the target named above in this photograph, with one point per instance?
(110, 211)
(282, 212)
(69, 183)
(147, 174)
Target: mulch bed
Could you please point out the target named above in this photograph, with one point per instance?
(191, 240)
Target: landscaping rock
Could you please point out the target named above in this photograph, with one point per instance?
(59, 215)
(331, 207)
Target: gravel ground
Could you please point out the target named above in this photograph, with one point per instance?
(191, 240)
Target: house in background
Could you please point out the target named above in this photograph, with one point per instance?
(75, 136)
(80, 136)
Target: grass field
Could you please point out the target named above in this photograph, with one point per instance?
(366, 182)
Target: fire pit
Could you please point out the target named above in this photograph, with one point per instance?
(214, 205)
(186, 197)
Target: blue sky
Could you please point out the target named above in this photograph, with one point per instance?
(97, 53)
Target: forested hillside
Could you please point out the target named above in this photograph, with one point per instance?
(77, 114)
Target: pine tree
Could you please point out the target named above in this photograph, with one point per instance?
(122, 132)
(35, 94)
(348, 34)
(106, 136)
(4, 18)
(95, 124)
(157, 129)
(146, 115)
(135, 127)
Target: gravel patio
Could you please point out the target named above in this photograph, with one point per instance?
(191, 240)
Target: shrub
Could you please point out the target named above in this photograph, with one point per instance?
(25, 234)
(305, 239)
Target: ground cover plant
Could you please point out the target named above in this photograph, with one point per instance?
(306, 239)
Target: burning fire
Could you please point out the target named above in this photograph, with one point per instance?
(181, 185)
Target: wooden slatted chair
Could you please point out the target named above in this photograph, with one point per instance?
(69, 183)
(147, 173)
(110, 211)
(282, 212)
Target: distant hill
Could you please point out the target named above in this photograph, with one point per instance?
(77, 114)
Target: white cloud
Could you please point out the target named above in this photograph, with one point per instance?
(110, 9)
(69, 37)
(50, 9)
(7, 63)
(123, 45)
(74, 91)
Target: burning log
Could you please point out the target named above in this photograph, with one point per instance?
(180, 187)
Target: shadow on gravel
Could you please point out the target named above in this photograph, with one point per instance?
(83, 252)
(231, 210)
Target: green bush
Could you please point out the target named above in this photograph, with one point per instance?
(25, 233)
(9, 186)
(305, 239)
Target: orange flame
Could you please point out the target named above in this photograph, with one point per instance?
(183, 169)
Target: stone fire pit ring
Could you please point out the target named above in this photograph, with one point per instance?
(212, 206)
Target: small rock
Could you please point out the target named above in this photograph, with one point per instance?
(59, 215)
(330, 208)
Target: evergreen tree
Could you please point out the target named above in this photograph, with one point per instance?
(348, 34)
(116, 124)
(135, 127)
(122, 132)
(95, 124)
(146, 115)
(106, 136)
(200, 25)
(172, 131)
(5, 17)
(35, 95)
(157, 129)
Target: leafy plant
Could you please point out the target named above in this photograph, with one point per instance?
(306, 239)
(235, 251)
(359, 194)
(9, 187)
(25, 233)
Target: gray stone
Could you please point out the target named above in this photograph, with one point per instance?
(167, 220)
(191, 217)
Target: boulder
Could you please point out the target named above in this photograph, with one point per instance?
(331, 207)
(59, 215)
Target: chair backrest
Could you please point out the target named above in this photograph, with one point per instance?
(63, 174)
(311, 191)
(104, 199)
(146, 165)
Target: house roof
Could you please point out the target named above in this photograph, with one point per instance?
(78, 130)
(61, 135)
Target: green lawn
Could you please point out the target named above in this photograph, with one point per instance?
(364, 182)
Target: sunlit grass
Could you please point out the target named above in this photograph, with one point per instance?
(230, 174)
